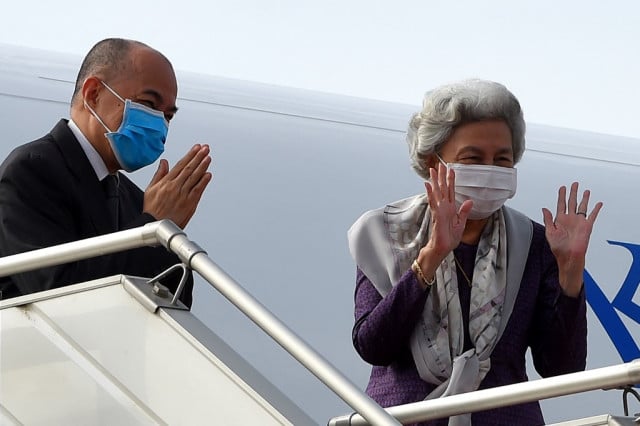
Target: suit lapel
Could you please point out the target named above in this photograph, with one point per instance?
(87, 184)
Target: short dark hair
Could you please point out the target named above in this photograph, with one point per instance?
(108, 57)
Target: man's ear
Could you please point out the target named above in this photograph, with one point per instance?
(91, 91)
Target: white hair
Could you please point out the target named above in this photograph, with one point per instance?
(448, 106)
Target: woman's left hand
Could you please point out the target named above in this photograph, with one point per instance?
(568, 236)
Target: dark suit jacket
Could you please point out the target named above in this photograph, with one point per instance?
(49, 194)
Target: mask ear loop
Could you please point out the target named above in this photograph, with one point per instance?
(112, 91)
(442, 161)
(96, 116)
(94, 113)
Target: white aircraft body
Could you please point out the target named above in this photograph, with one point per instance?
(293, 169)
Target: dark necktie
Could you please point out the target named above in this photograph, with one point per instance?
(110, 185)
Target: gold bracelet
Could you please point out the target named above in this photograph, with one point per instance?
(415, 266)
(432, 282)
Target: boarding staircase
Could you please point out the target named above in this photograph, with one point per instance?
(123, 350)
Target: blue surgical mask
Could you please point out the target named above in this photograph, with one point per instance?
(139, 140)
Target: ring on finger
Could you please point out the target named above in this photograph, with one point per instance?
(582, 213)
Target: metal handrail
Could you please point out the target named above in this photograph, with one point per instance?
(535, 390)
(173, 238)
(82, 249)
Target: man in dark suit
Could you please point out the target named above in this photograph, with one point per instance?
(67, 186)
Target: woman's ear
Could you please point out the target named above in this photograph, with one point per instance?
(431, 161)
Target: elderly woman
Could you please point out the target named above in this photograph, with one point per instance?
(452, 287)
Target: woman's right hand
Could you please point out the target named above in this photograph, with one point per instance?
(447, 221)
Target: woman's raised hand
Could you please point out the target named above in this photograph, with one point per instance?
(568, 235)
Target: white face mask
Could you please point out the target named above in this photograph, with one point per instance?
(489, 187)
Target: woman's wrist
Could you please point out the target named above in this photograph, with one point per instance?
(428, 262)
(571, 276)
(425, 282)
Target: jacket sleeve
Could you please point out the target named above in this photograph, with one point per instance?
(40, 208)
(559, 331)
(383, 325)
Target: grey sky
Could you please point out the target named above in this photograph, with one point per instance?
(572, 64)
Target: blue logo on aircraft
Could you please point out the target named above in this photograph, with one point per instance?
(606, 311)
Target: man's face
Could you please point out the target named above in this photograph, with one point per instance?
(150, 82)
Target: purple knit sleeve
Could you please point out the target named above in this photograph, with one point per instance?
(559, 340)
(383, 325)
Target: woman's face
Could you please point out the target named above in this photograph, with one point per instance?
(480, 142)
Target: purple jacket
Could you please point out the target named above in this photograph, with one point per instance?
(553, 325)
